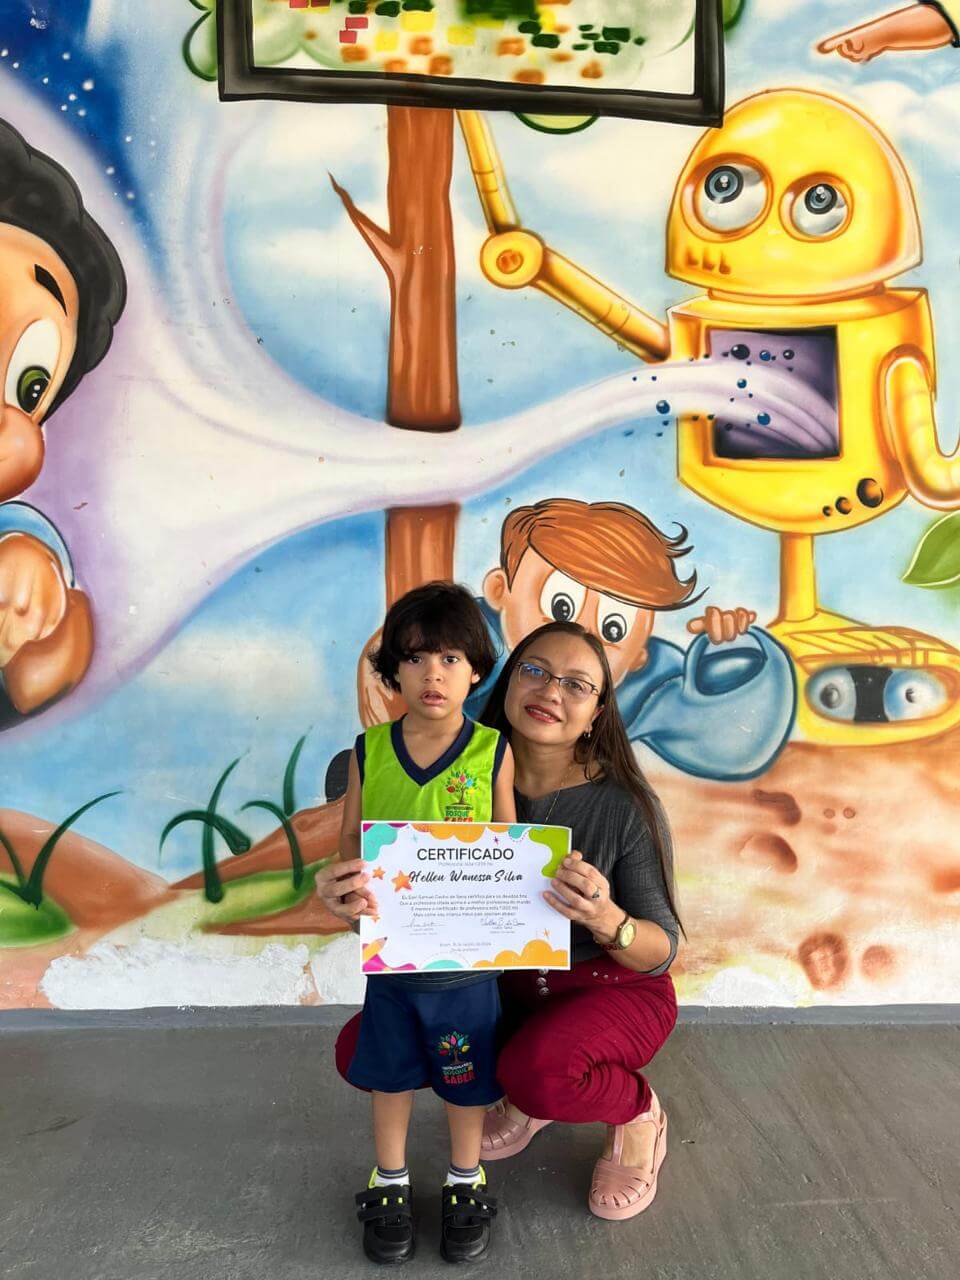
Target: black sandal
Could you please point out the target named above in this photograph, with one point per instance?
(387, 1217)
(465, 1224)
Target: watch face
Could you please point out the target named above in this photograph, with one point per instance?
(628, 931)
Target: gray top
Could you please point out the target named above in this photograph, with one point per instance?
(612, 832)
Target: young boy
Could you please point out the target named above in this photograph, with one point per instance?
(434, 649)
(63, 290)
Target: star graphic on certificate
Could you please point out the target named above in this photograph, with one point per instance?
(401, 881)
(378, 874)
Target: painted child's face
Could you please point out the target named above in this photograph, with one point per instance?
(436, 685)
(39, 306)
(541, 593)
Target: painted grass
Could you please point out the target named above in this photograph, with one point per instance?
(263, 894)
(24, 925)
(185, 921)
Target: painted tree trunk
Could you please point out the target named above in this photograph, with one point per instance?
(416, 251)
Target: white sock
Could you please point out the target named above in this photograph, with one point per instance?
(466, 1177)
(390, 1177)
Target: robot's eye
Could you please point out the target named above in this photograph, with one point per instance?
(615, 619)
(833, 693)
(731, 196)
(562, 598)
(818, 210)
(913, 695)
(30, 368)
(724, 184)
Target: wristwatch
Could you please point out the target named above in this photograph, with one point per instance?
(626, 932)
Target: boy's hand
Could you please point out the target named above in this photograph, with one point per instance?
(723, 624)
(45, 669)
(33, 593)
(341, 887)
(920, 26)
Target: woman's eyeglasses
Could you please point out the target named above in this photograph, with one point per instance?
(530, 676)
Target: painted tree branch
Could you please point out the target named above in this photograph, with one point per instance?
(379, 242)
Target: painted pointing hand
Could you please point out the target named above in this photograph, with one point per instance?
(33, 593)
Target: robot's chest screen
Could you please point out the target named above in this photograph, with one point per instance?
(778, 370)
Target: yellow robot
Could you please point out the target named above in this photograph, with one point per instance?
(794, 216)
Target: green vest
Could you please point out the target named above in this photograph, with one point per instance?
(456, 788)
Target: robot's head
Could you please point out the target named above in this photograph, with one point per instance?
(797, 196)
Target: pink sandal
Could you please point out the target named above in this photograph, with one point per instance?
(504, 1137)
(622, 1191)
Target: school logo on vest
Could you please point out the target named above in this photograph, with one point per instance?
(461, 787)
(453, 1046)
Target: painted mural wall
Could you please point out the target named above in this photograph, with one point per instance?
(267, 363)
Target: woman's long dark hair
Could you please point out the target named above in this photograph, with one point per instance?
(606, 754)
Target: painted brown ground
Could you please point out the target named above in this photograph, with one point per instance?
(833, 872)
(830, 874)
(96, 887)
(100, 890)
(318, 831)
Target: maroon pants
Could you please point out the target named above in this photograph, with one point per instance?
(577, 1041)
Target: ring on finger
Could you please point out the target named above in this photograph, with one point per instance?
(596, 894)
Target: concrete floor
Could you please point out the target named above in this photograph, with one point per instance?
(233, 1153)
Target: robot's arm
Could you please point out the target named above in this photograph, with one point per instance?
(932, 477)
(513, 258)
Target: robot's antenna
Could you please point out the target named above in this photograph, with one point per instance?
(495, 199)
(515, 258)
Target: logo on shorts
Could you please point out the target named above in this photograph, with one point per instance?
(461, 787)
(453, 1046)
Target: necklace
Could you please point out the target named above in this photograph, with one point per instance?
(556, 797)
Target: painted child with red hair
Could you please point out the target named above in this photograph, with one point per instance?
(722, 709)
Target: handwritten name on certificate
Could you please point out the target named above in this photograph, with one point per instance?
(462, 896)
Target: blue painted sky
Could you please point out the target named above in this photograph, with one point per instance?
(273, 652)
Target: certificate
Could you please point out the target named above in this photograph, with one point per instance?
(462, 896)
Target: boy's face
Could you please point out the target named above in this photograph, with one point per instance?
(541, 594)
(39, 306)
(436, 685)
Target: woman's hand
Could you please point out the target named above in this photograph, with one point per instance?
(582, 894)
(342, 888)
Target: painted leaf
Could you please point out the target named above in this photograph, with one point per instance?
(936, 561)
(733, 12)
(200, 48)
(33, 890)
(296, 857)
(289, 803)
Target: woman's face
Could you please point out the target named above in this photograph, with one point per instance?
(546, 714)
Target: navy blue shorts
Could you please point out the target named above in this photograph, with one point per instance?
(412, 1036)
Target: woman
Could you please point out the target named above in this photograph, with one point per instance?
(578, 1040)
